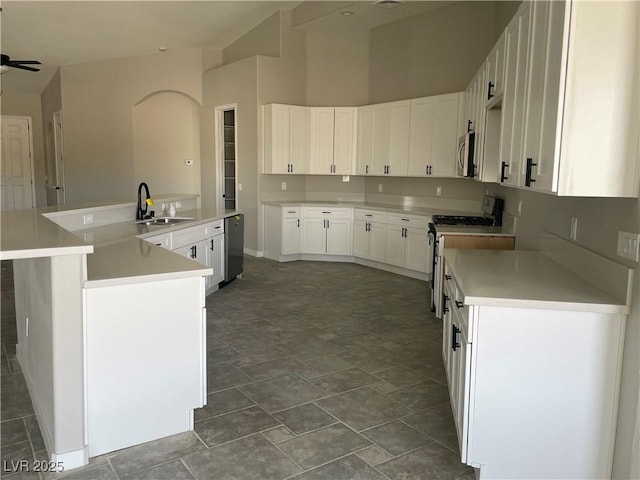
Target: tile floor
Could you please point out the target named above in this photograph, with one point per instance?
(316, 370)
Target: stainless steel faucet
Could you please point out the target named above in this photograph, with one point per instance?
(141, 211)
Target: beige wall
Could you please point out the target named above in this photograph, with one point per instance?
(29, 105)
(337, 68)
(432, 53)
(235, 83)
(263, 39)
(166, 133)
(97, 102)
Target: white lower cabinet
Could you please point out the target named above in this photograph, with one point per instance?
(407, 242)
(370, 235)
(215, 260)
(291, 236)
(532, 390)
(195, 251)
(326, 231)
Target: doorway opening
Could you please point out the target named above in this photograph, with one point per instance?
(227, 150)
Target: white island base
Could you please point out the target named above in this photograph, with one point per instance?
(145, 361)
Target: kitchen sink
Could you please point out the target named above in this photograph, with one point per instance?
(165, 220)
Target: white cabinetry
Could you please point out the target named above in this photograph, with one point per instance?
(434, 129)
(333, 138)
(514, 96)
(283, 231)
(291, 233)
(495, 71)
(407, 242)
(326, 231)
(370, 234)
(286, 139)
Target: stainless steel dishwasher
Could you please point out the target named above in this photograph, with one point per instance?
(233, 247)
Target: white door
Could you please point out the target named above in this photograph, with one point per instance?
(16, 180)
(360, 239)
(339, 236)
(416, 253)
(314, 235)
(290, 236)
(344, 140)
(378, 242)
(396, 245)
(321, 138)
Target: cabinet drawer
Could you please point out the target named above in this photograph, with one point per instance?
(370, 215)
(408, 220)
(163, 240)
(290, 212)
(326, 212)
(190, 235)
(215, 228)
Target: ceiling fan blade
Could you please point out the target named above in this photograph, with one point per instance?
(23, 67)
(26, 62)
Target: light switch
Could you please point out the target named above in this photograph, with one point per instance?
(284, 185)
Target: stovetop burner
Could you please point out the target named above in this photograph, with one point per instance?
(462, 220)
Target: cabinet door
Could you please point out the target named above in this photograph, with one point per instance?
(314, 237)
(364, 165)
(339, 236)
(479, 121)
(360, 239)
(398, 158)
(547, 24)
(495, 70)
(514, 96)
(463, 374)
(215, 260)
(321, 138)
(416, 250)
(423, 117)
(381, 138)
(195, 251)
(396, 245)
(276, 138)
(291, 236)
(344, 140)
(444, 144)
(299, 139)
(378, 242)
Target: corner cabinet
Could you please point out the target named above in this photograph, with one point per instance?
(326, 231)
(286, 139)
(332, 140)
(570, 122)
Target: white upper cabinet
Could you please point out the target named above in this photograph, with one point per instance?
(581, 121)
(434, 130)
(514, 96)
(383, 139)
(332, 139)
(495, 71)
(364, 163)
(286, 139)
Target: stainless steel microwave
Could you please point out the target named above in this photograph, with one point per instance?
(466, 147)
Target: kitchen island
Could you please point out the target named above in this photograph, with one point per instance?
(111, 328)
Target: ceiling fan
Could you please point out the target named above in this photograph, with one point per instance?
(5, 62)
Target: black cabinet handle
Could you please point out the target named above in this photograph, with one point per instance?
(368, 215)
(298, 223)
(454, 337)
(489, 93)
(445, 299)
(503, 177)
(212, 244)
(194, 251)
(366, 169)
(469, 126)
(527, 177)
(459, 304)
(447, 277)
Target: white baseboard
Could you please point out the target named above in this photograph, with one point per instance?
(254, 253)
(69, 460)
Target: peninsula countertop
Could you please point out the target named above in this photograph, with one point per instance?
(524, 279)
(117, 252)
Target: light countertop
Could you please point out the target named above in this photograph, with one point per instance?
(116, 255)
(527, 279)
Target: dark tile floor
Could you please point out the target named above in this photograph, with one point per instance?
(315, 371)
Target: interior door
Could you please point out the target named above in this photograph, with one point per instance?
(16, 181)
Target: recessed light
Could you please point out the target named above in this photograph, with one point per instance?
(346, 14)
(162, 49)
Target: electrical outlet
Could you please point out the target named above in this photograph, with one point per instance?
(284, 185)
(379, 187)
(239, 187)
(178, 205)
(628, 245)
(87, 219)
(345, 178)
(574, 228)
(439, 191)
(188, 162)
(520, 208)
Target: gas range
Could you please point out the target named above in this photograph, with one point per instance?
(460, 220)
